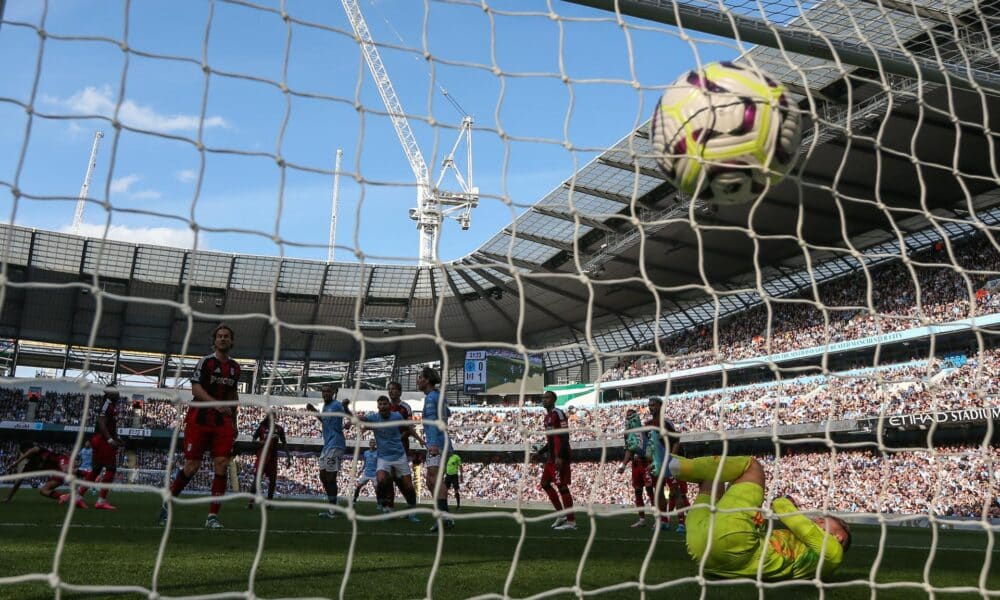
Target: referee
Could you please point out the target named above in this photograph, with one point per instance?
(453, 476)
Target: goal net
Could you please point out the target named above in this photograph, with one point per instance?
(366, 190)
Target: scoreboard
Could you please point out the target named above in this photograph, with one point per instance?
(475, 372)
(499, 371)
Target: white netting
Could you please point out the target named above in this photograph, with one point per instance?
(839, 327)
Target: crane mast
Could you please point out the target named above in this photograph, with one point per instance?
(85, 188)
(428, 213)
(335, 203)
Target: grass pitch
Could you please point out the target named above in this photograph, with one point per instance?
(305, 556)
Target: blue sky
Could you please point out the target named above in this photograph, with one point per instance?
(140, 174)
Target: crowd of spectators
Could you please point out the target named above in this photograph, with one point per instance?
(948, 480)
(839, 312)
(906, 388)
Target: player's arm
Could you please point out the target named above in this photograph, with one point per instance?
(284, 446)
(13, 490)
(807, 531)
(17, 484)
(625, 463)
(560, 443)
(106, 433)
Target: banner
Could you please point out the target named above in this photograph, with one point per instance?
(967, 415)
(34, 392)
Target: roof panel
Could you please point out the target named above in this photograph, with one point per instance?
(109, 258)
(300, 277)
(208, 269)
(346, 279)
(391, 281)
(58, 252)
(15, 245)
(158, 264)
(255, 273)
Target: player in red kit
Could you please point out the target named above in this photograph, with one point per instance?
(557, 466)
(40, 459)
(104, 444)
(210, 428)
(267, 452)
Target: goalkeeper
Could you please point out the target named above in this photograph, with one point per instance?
(738, 536)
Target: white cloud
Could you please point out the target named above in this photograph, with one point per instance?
(94, 101)
(187, 175)
(146, 195)
(121, 185)
(177, 237)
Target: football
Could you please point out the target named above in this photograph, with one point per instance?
(724, 132)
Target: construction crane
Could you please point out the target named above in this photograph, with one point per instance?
(433, 203)
(82, 201)
(334, 205)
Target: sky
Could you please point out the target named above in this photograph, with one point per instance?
(505, 67)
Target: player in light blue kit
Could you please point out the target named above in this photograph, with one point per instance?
(392, 463)
(334, 444)
(370, 471)
(435, 411)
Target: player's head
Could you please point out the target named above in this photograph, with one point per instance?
(395, 390)
(223, 337)
(111, 392)
(837, 528)
(549, 400)
(632, 419)
(427, 379)
(655, 404)
(384, 405)
(371, 443)
(327, 391)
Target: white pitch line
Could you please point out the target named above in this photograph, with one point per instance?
(669, 537)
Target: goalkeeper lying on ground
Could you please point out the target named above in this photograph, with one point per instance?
(738, 534)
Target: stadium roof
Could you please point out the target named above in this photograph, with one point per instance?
(872, 170)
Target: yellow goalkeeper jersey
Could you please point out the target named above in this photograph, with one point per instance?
(795, 552)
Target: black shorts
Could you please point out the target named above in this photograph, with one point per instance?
(451, 481)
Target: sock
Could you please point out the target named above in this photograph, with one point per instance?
(332, 492)
(92, 476)
(554, 498)
(442, 504)
(458, 501)
(357, 491)
(218, 488)
(705, 467)
(639, 502)
(108, 477)
(180, 482)
(411, 498)
(567, 501)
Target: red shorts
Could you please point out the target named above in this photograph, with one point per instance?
(216, 439)
(642, 475)
(105, 455)
(270, 466)
(63, 463)
(676, 486)
(560, 477)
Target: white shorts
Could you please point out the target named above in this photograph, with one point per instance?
(433, 462)
(365, 479)
(329, 460)
(395, 468)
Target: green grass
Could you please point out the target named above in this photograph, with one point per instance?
(304, 556)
